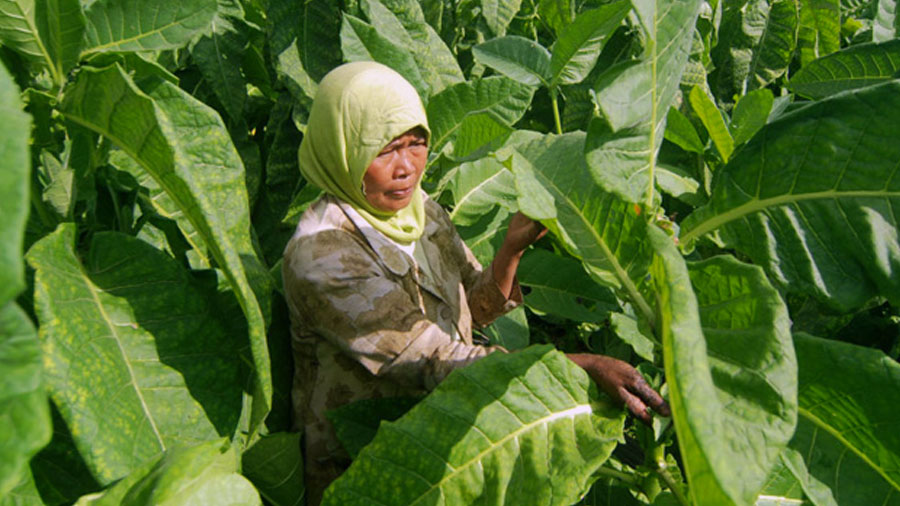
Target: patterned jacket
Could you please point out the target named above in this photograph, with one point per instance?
(368, 321)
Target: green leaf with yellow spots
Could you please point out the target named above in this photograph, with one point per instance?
(184, 146)
(521, 428)
(136, 358)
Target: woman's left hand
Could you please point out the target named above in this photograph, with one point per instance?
(522, 232)
(623, 383)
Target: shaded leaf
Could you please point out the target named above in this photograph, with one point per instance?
(518, 58)
(818, 492)
(681, 131)
(360, 41)
(183, 145)
(812, 199)
(634, 98)
(171, 369)
(357, 422)
(218, 57)
(847, 439)
(127, 25)
(558, 286)
(576, 50)
(510, 330)
(852, 68)
(556, 13)
(201, 474)
(274, 465)
(521, 428)
(15, 174)
(25, 423)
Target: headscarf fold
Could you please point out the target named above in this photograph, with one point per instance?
(359, 108)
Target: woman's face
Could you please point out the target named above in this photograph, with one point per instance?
(393, 176)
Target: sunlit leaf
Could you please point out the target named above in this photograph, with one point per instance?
(478, 187)
(128, 25)
(712, 119)
(887, 21)
(521, 428)
(812, 198)
(518, 58)
(61, 26)
(579, 44)
(15, 173)
(499, 13)
(750, 114)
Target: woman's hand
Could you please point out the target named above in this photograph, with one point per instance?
(522, 232)
(623, 383)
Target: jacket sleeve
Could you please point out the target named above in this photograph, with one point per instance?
(486, 301)
(341, 292)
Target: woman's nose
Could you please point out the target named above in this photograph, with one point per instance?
(404, 166)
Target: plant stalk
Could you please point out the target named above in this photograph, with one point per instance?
(671, 485)
(555, 104)
(622, 476)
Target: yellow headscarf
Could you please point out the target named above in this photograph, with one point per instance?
(359, 108)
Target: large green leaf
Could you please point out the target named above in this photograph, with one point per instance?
(360, 41)
(635, 97)
(479, 186)
(183, 145)
(579, 44)
(712, 119)
(135, 358)
(756, 45)
(499, 13)
(813, 199)
(854, 67)
(521, 428)
(275, 466)
(403, 23)
(356, 423)
(730, 369)
(518, 58)
(848, 410)
(819, 31)
(604, 232)
(751, 113)
(61, 27)
(25, 423)
(556, 13)
(502, 99)
(887, 21)
(201, 474)
(15, 173)
(129, 25)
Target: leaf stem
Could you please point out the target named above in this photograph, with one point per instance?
(670, 483)
(555, 104)
(622, 476)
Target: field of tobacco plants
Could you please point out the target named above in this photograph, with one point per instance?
(719, 178)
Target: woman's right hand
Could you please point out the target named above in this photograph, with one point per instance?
(522, 232)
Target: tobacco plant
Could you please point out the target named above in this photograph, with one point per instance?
(718, 179)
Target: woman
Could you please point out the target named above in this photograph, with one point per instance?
(381, 289)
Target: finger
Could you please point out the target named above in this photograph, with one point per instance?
(637, 407)
(651, 397)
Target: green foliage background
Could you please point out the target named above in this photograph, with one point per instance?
(718, 177)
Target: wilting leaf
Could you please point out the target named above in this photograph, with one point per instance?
(521, 428)
(275, 466)
(812, 198)
(846, 435)
(201, 474)
(183, 145)
(127, 25)
(634, 98)
(131, 315)
(15, 173)
(849, 69)
(25, 423)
